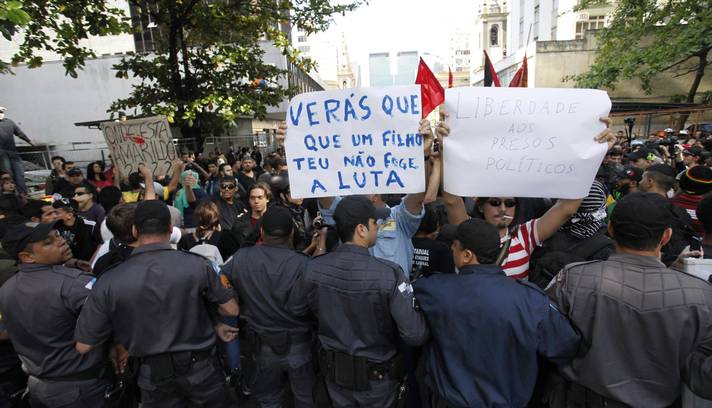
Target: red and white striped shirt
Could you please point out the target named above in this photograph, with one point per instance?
(524, 241)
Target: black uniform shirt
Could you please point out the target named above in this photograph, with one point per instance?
(264, 277)
(362, 303)
(154, 302)
(40, 305)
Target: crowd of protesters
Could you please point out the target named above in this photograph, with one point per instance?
(423, 300)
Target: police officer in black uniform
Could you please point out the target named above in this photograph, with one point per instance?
(264, 276)
(157, 305)
(39, 307)
(363, 305)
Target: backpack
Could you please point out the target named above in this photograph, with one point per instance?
(208, 251)
(562, 249)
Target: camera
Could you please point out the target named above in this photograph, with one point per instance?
(318, 223)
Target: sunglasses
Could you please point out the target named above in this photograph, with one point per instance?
(496, 202)
(227, 186)
(80, 193)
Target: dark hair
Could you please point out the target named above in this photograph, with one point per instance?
(664, 181)
(153, 226)
(214, 162)
(135, 180)
(64, 164)
(33, 208)
(704, 213)
(637, 243)
(57, 158)
(430, 221)
(120, 220)
(222, 166)
(90, 171)
(615, 152)
(481, 201)
(347, 228)
(108, 197)
(228, 179)
(90, 189)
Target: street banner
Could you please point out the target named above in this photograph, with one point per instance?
(355, 141)
(145, 141)
(523, 142)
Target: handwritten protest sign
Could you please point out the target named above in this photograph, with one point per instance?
(355, 141)
(145, 141)
(523, 142)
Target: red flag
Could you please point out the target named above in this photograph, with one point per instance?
(432, 93)
(490, 73)
(520, 79)
(449, 77)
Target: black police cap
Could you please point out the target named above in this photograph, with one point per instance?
(277, 221)
(19, 236)
(641, 215)
(151, 210)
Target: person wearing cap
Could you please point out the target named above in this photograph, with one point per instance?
(645, 329)
(395, 231)
(305, 238)
(511, 322)
(10, 161)
(264, 277)
(695, 183)
(691, 157)
(641, 158)
(156, 305)
(660, 179)
(626, 183)
(83, 236)
(39, 307)
(362, 304)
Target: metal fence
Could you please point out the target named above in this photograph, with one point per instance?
(83, 153)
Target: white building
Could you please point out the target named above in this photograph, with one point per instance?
(46, 103)
(509, 29)
(460, 50)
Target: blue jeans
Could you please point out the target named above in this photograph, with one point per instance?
(11, 163)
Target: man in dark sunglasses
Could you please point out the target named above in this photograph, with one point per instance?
(85, 197)
(228, 203)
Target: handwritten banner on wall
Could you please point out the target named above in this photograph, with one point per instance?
(355, 141)
(523, 142)
(145, 141)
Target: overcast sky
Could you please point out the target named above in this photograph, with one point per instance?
(403, 25)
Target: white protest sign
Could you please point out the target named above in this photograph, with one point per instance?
(523, 142)
(355, 141)
(145, 141)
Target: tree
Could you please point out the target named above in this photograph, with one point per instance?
(207, 69)
(649, 37)
(57, 26)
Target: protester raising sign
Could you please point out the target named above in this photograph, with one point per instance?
(145, 141)
(523, 142)
(355, 141)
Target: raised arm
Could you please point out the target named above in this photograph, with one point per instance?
(178, 167)
(150, 192)
(414, 202)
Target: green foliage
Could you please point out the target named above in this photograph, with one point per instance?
(647, 37)
(57, 26)
(206, 69)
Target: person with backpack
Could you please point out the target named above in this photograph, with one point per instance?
(582, 238)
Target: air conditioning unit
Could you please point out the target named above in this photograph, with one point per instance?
(583, 16)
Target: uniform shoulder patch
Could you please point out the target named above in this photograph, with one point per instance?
(90, 284)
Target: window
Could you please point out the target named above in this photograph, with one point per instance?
(466, 52)
(494, 36)
(305, 48)
(593, 23)
(302, 38)
(536, 21)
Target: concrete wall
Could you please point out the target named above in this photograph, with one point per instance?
(46, 103)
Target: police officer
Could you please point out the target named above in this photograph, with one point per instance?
(363, 305)
(154, 304)
(264, 277)
(647, 329)
(502, 327)
(39, 307)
